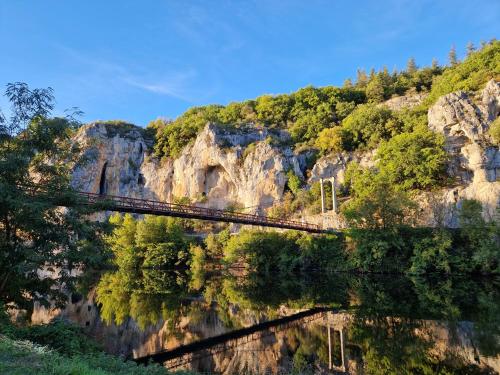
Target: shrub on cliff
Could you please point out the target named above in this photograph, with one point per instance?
(495, 130)
(415, 160)
(368, 125)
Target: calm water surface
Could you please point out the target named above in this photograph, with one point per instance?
(337, 323)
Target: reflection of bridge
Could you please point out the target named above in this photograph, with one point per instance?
(185, 354)
(152, 207)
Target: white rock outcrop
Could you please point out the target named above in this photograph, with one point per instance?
(474, 160)
(220, 168)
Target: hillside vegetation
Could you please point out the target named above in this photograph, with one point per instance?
(338, 118)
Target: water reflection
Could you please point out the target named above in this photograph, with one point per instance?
(230, 323)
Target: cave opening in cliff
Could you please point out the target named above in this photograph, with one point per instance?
(102, 181)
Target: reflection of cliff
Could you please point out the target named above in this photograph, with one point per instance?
(343, 342)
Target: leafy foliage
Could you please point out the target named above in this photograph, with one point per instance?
(415, 160)
(35, 233)
(23, 357)
(375, 203)
(495, 130)
(470, 75)
(368, 125)
(156, 241)
(269, 252)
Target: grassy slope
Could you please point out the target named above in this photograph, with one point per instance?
(23, 357)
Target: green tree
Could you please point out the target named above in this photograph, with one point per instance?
(414, 160)
(294, 182)
(344, 109)
(452, 56)
(155, 241)
(361, 78)
(433, 254)
(35, 234)
(434, 64)
(348, 83)
(375, 204)
(470, 48)
(481, 239)
(375, 90)
(273, 110)
(411, 66)
(330, 140)
(366, 126)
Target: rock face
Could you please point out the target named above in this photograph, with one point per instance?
(405, 101)
(474, 160)
(223, 168)
(219, 169)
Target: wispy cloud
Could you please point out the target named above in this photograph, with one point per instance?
(100, 73)
(175, 84)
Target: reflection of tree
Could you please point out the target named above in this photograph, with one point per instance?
(260, 292)
(464, 299)
(389, 322)
(146, 295)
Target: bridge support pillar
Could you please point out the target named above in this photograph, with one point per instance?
(334, 195)
(323, 208)
(329, 347)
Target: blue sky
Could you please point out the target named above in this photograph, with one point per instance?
(139, 60)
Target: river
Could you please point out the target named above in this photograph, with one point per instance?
(229, 322)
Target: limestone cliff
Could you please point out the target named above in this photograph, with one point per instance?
(219, 169)
(474, 161)
(247, 167)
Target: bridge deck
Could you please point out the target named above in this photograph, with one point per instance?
(153, 207)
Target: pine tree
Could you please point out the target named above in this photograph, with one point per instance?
(361, 78)
(434, 64)
(470, 48)
(452, 56)
(411, 66)
(372, 74)
(348, 83)
(375, 90)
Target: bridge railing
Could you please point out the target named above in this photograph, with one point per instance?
(167, 207)
(127, 204)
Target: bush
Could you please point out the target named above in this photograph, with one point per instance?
(64, 337)
(370, 124)
(414, 160)
(432, 254)
(294, 182)
(331, 140)
(24, 357)
(494, 131)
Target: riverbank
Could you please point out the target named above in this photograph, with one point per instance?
(20, 357)
(60, 348)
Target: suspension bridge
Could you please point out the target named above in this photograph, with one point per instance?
(124, 204)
